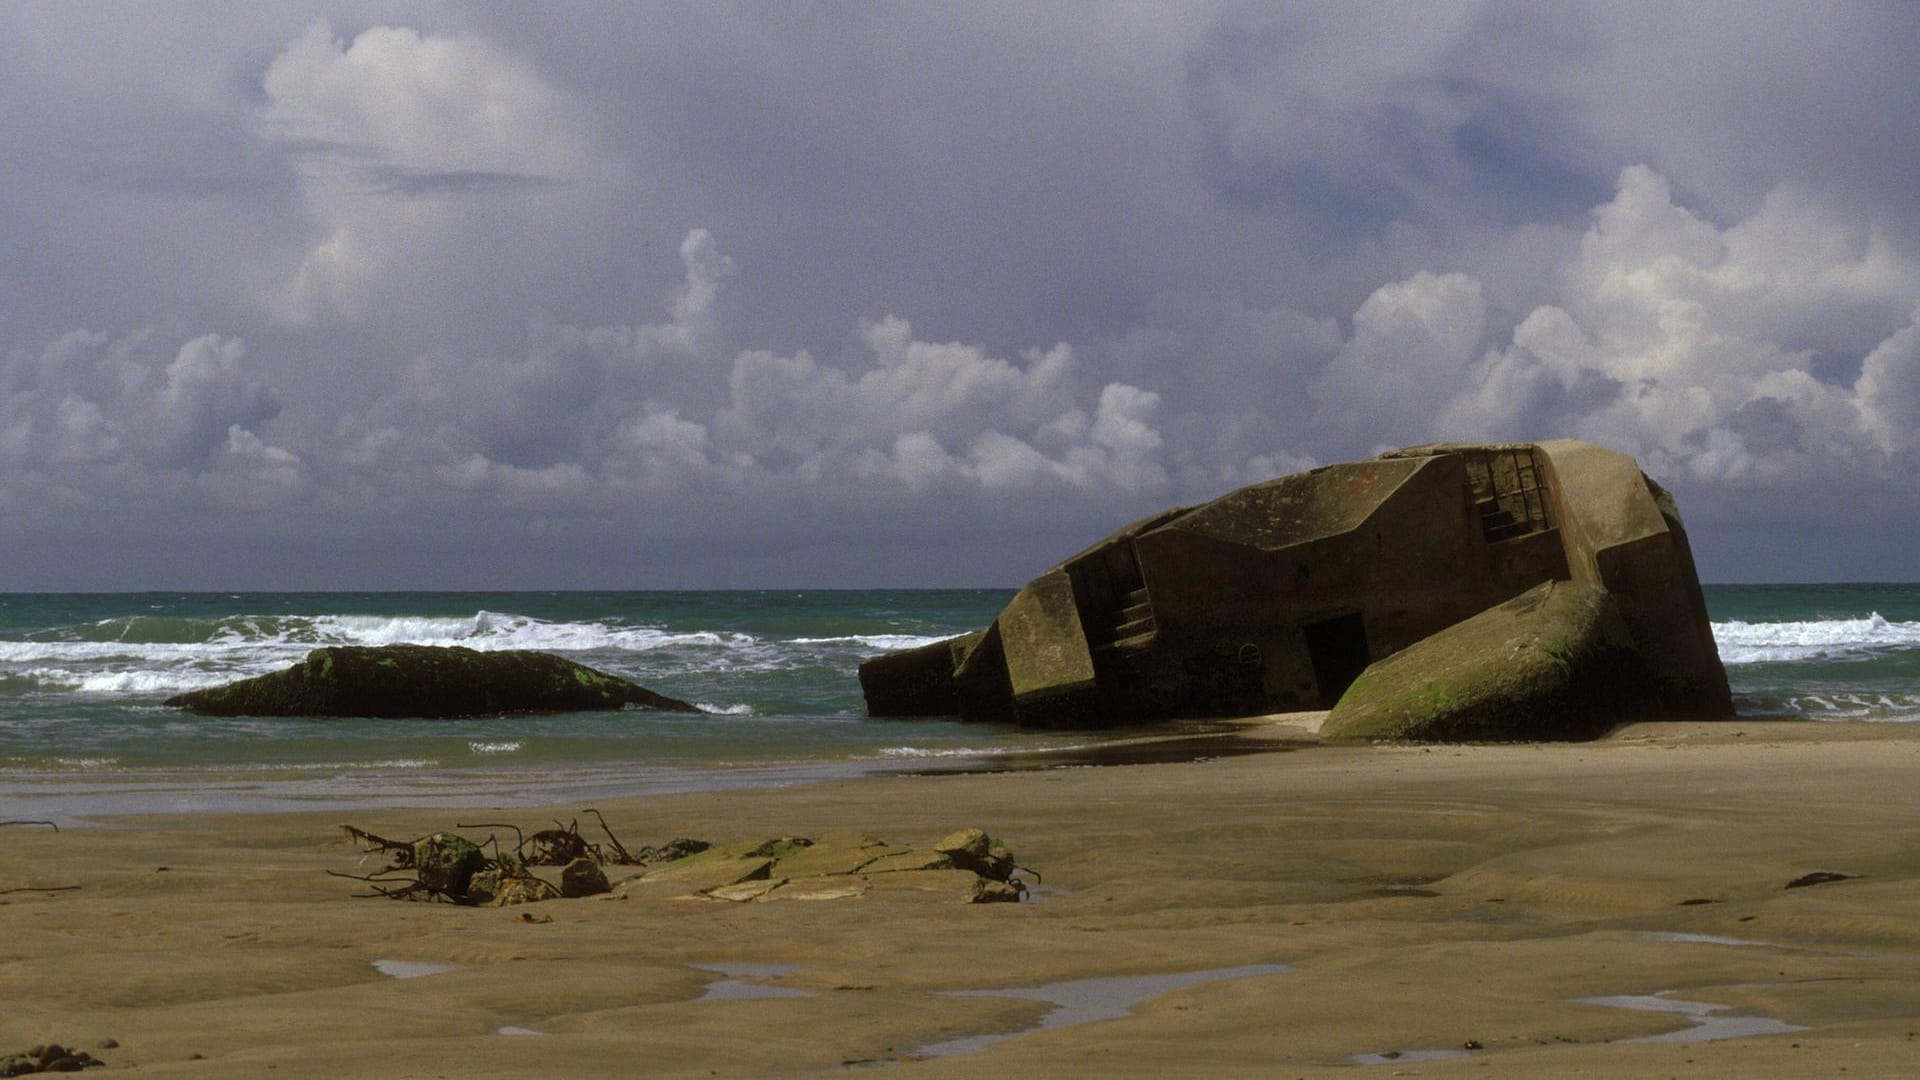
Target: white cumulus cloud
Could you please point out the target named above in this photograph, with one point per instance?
(393, 136)
(1761, 353)
(94, 418)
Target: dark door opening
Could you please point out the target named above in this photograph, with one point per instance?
(1338, 648)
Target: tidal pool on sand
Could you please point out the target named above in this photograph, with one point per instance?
(1706, 1026)
(732, 986)
(1082, 1001)
(411, 969)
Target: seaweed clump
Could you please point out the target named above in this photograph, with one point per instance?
(446, 866)
(51, 1057)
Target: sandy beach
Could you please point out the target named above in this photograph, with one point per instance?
(1375, 901)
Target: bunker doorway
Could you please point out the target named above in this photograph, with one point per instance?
(1338, 648)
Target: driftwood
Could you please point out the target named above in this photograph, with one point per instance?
(36, 888)
(562, 844)
(625, 858)
(439, 866)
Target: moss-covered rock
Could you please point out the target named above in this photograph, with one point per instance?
(1553, 663)
(446, 863)
(583, 877)
(427, 681)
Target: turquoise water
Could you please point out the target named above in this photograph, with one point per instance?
(82, 678)
(1830, 652)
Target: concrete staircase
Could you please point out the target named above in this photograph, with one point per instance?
(1133, 625)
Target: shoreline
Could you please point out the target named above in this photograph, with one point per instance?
(74, 799)
(84, 800)
(1420, 898)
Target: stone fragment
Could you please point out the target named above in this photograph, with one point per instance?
(724, 864)
(483, 886)
(522, 890)
(973, 843)
(899, 861)
(747, 890)
(830, 888)
(583, 877)
(989, 891)
(973, 849)
(956, 886)
(677, 848)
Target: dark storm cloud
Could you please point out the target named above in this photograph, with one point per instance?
(616, 294)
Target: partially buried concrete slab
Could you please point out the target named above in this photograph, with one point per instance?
(835, 866)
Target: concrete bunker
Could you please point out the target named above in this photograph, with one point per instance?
(1279, 596)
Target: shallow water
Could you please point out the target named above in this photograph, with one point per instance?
(1083, 1001)
(1403, 1057)
(1679, 938)
(734, 987)
(411, 969)
(1707, 1026)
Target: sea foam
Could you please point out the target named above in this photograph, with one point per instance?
(1821, 639)
(155, 656)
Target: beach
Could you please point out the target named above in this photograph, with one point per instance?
(1356, 900)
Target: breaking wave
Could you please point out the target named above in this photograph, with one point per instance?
(1850, 706)
(149, 635)
(154, 656)
(1822, 639)
(882, 642)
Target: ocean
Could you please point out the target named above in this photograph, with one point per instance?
(82, 678)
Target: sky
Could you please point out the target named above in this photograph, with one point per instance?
(770, 295)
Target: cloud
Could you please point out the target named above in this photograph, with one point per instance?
(393, 136)
(1889, 391)
(1412, 341)
(1707, 350)
(656, 407)
(206, 395)
(249, 473)
(1359, 124)
(973, 282)
(95, 419)
(428, 104)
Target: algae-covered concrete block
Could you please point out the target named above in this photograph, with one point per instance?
(900, 861)
(727, 864)
(1049, 663)
(959, 886)
(746, 891)
(832, 853)
(1552, 663)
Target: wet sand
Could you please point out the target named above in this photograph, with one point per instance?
(1317, 906)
